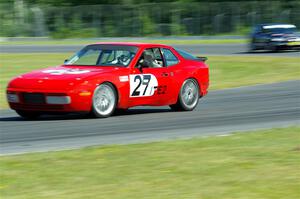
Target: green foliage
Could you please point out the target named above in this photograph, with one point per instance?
(109, 30)
(7, 29)
(140, 18)
(95, 2)
(259, 164)
(242, 30)
(148, 27)
(63, 33)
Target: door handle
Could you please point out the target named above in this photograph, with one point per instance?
(165, 74)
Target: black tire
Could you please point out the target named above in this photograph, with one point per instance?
(29, 115)
(275, 49)
(120, 111)
(104, 95)
(182, 103)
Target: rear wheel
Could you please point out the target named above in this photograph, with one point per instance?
(188, 96)
(104, 100)
(30, 115)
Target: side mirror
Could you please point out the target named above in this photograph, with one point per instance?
(66, 60)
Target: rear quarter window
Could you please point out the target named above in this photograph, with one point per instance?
(170, 58)
(186, 55)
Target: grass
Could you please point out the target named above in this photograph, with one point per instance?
(262, 165)
(228, 71)
(162, 41)
(225, 71)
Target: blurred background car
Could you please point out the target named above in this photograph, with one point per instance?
(274, 37)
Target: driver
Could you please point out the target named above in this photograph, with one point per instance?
(148, 60)
(122, 59)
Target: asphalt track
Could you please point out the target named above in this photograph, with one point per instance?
(209, 49)
(219, 113)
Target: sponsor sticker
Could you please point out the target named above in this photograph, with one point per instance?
(65, 71)
(142, 85)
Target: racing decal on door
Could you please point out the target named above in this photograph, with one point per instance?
(65, 71)
(142, 85)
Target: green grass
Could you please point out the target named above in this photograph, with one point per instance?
(225, 71)
(161, 41)
(234, 71)
(260, 165)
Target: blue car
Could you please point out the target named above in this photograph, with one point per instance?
(275, 37)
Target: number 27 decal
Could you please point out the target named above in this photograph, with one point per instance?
(142, 85)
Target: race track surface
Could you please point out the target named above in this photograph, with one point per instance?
(209, 49)
(219, 113)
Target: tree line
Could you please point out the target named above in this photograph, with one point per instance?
(119, 2)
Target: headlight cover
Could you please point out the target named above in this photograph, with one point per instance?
(58, 99)
(278, 39)
(13, 98)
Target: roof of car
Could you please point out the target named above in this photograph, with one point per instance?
(277, 25)
(132, 44)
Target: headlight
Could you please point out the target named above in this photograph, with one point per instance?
(13, 97)
(278, 39)
(58, 99)
(297, 39)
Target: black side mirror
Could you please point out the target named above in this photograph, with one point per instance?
(66, 60)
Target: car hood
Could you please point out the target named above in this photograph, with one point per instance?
(57, 78)
(66, 72)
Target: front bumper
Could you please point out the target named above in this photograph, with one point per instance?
(286, 44)
(48, 101)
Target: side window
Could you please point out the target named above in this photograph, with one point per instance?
(157, 54)
(170, 58)
(151, 58)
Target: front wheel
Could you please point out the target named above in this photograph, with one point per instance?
(104, 100)
(274, 48)
(252, 47)
(188, 96)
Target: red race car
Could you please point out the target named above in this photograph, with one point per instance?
(106, 77)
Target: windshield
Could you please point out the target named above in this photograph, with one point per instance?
(281, 30)
(103, 55)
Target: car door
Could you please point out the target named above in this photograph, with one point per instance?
(175, 71)
(149, 84)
